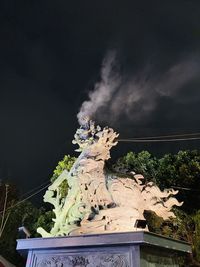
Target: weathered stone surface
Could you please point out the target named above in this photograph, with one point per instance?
(82, 260)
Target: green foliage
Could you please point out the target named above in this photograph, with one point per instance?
(196, 235)
(44, 220)
(143, 163)
(177, 171)
(64, 164)
(154, 222)
(166, 171)
(182, 171)
(184, 227)
(180, 227)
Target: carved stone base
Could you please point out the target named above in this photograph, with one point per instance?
(134, 249)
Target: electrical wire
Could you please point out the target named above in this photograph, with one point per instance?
(185, 188)
(32, 190)
(23, 200)
(138, 140)
(163, 138)
(167, 136)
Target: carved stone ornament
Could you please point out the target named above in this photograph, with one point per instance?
(87, 260)
(98, 202)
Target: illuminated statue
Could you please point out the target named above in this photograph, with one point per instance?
(98, 202)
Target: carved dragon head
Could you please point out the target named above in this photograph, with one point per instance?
(93, 137)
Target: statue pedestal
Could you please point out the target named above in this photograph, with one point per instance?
(129, 249)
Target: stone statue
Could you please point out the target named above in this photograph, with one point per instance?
(98, 202)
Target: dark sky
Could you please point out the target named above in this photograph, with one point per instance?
(51, 55)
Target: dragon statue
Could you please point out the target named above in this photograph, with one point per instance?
(98, 202)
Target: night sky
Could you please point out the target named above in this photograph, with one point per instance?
(138, 60)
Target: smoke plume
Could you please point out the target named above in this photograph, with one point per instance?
(103, 90)
(138, 95)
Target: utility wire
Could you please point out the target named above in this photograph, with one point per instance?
(163, 138)
(32, 190)
(167, 136)
(140, 140)
(185, 188)
(23, 200)
(38, 191)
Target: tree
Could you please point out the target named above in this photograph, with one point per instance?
(143, 163)
(45, 221)
(14, 214)
(180, 171)
(20, 214)
(65, 164)
(196, 235)
(4, 215)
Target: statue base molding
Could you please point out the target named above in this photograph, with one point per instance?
(128, 249)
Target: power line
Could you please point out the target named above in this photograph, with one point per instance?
(23, 200)
(140, 140)
(185, 188)
(163, 138)
(168, 136)
(32, 190)
(37, 192)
